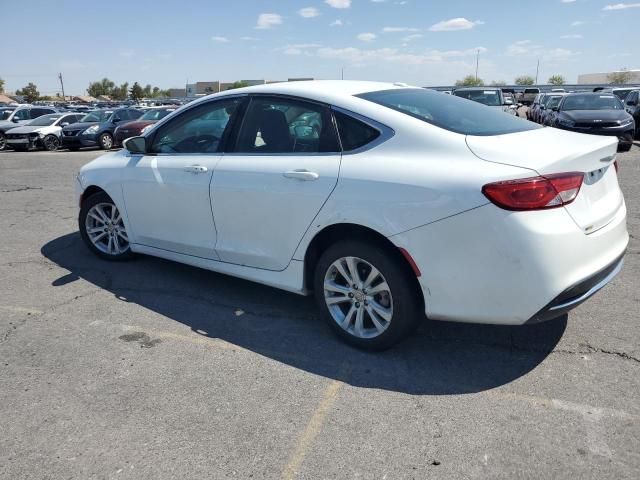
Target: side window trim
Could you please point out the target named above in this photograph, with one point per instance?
(385, 131)
(223, 141)
(240, 123)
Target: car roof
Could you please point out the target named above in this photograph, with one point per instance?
(478, 88)
(326, 91)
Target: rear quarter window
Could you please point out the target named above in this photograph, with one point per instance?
(353, 133)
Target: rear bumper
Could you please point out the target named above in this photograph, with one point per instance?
(492, 266)
(579, 293)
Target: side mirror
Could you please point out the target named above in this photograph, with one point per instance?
(116, 119)
(15, 120)
(554, 109)
(135, 145)
(65, 124)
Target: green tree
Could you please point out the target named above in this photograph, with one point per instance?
(103, 87)
(121, 92)
(498, 83)
(620, 78)
(238, 84)
(470, 81)
(1, 85)
(30, 93)
(156, 92)
(147, 91)
(556, 80)
(136, 93)
(525, 80)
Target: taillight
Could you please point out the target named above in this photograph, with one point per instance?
(537, 193)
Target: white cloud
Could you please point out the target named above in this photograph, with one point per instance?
(220, 39)
(308, 12)
(622, 6)
(567, 1)
(338, 3)
(300, 48)
(574, 36)
(336, 23)
(527, 48)
(577, 23)
(413, 36)
(248, 39)
(399, 29)
(367, 37)
(126, 53)
(268, 20)
(454, 24)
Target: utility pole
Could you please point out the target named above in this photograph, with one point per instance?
(537, 70)
(477, 62)
(342, 73)
(62, 85)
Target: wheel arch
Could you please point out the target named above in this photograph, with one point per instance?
(340, 231)
(89, 191)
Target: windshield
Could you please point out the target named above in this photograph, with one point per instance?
(554, 101)
(97, 116)
(490, 98)
(622, 93)
(449, 112)
(156, 114)
(44, 121)
(591, 102)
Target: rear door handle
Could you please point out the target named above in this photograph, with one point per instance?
(305, 175)
(195, 169)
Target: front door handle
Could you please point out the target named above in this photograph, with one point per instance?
(195, 169)
(305, 175)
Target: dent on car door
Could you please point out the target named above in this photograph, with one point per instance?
(269, 187)
(167, 190)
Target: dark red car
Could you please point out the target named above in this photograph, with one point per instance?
(137, 127)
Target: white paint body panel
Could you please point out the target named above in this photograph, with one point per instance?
(421, 189)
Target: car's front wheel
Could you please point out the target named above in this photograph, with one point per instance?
(106, 141)
(102, 228)
(3, 141)
(51, 143)
(366, 294)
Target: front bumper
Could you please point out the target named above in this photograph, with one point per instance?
(492, 266)
(28, 142)
(625, 134)
(79, 141)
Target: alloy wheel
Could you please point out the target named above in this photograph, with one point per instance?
(107, 142)
(51, 143)
(358, 297)
(3, 141)
(105, 229)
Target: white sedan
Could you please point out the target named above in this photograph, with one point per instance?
(385, 201)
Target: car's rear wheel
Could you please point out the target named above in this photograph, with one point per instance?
(51, 143)
(366, 295)
(102, 228)
(3, 141)
(106, 141)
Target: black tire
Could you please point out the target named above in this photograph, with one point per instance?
(624, 148)
(51, 143)
(3, 141)
(406, 302)
(106, 141)
(87, 205)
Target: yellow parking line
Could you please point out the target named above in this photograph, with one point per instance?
(312, 430)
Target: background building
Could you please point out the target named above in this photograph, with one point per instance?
(594, 78)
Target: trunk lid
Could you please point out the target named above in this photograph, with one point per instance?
(549, 150)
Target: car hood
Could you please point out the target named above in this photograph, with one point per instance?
(25, 129)
(587, 115)
(137, 124)
(80, 126)
(6, 125)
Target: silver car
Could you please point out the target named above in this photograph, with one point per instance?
(489, 96)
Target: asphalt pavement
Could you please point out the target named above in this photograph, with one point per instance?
(152, 370)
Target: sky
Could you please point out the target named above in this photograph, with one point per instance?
(419, 42)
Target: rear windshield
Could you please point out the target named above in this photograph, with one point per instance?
(450, 112)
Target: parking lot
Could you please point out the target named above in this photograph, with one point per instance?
(151, 369)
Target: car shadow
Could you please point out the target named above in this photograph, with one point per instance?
(440, 358)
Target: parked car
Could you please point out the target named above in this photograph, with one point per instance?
(139, 126)
(620, 92)
(535, 104)
(43, 132)
(511, 102)
(96, 129)
(550, 101)
(632, 106)
(389, 203)
(528, 95)
(491, 97)
(596, 114)
(5, 111)
(20, 116)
